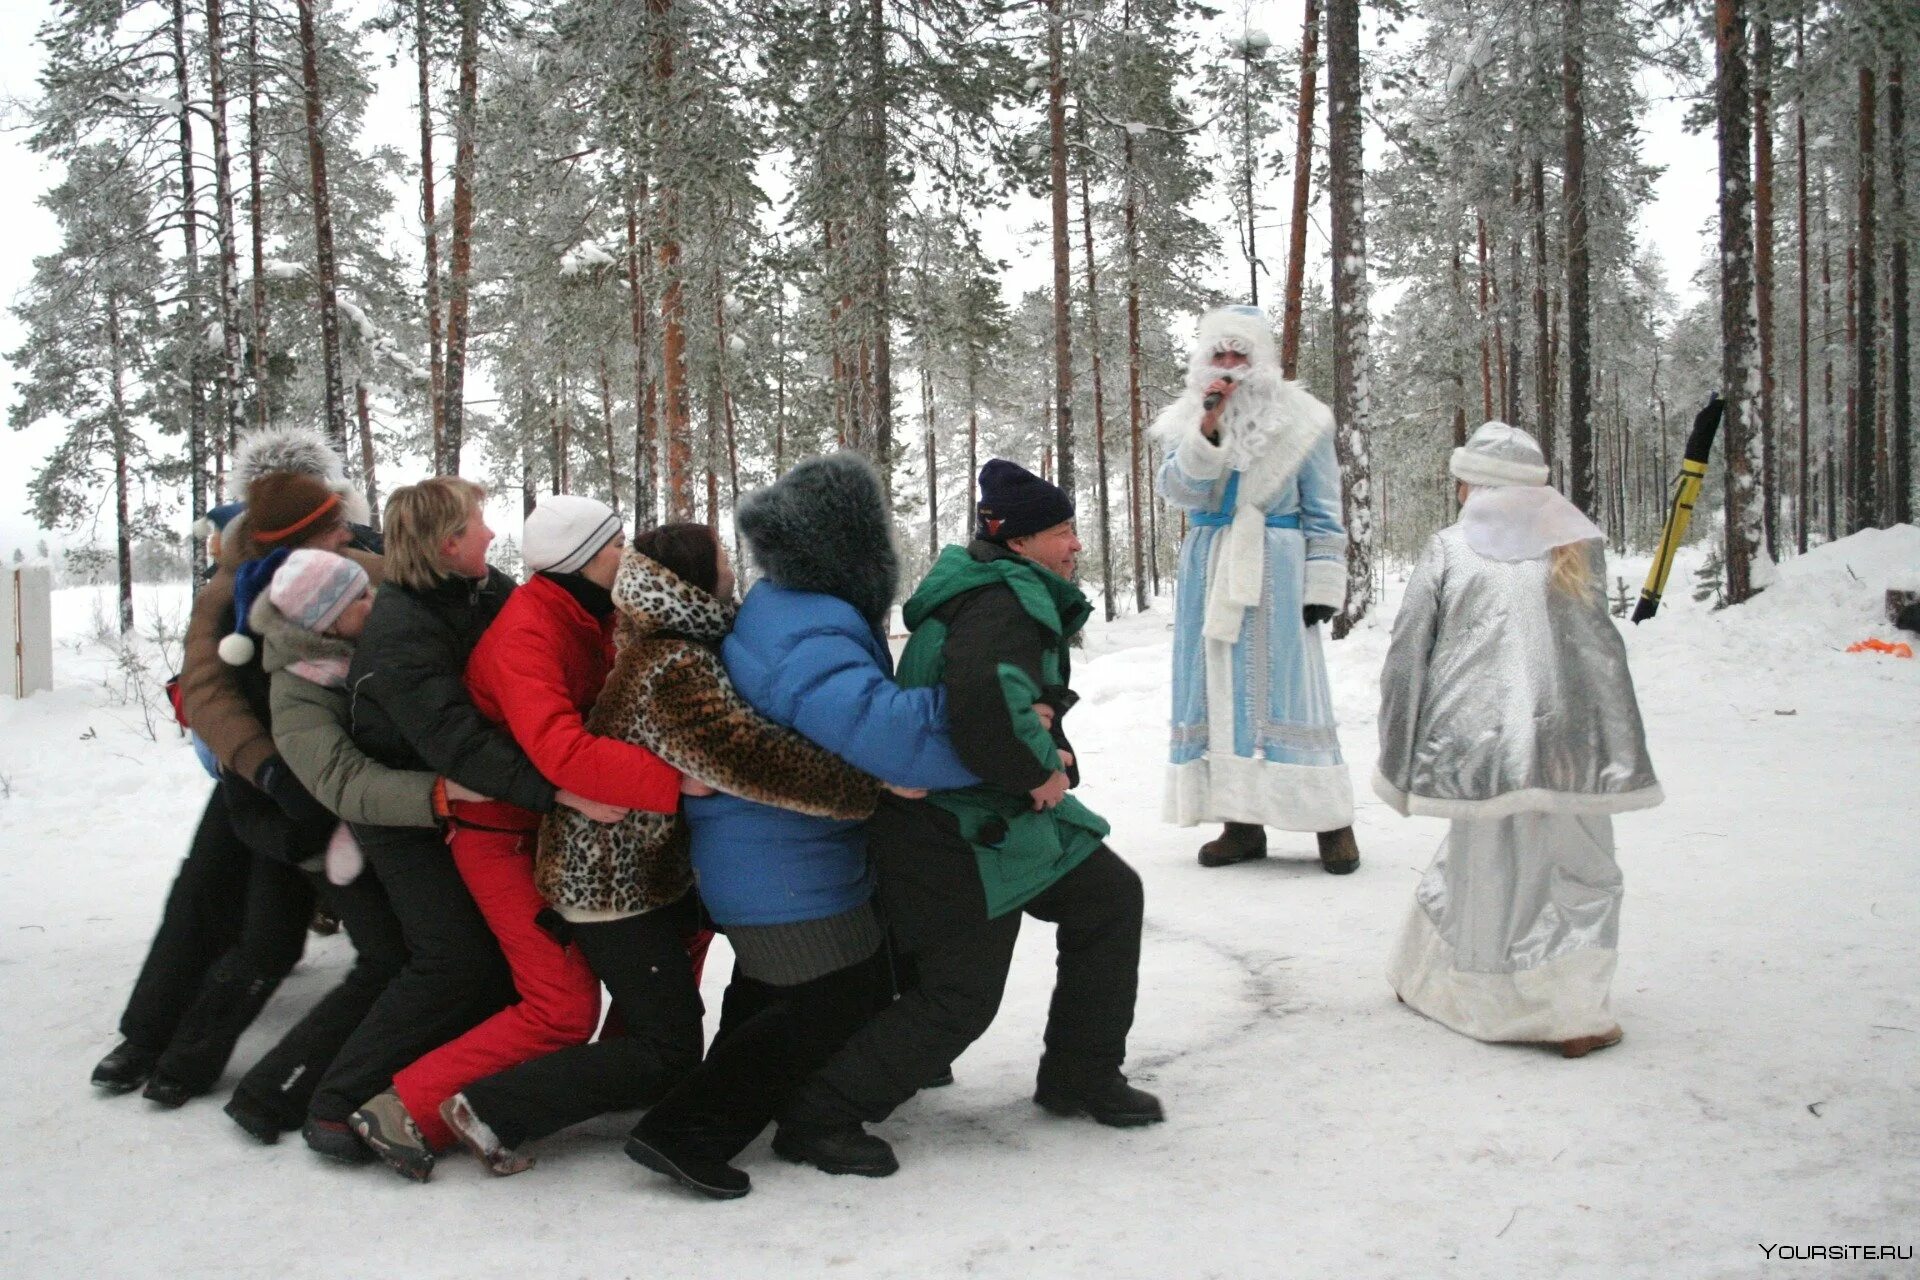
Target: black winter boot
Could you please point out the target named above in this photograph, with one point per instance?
(1112, 1102)
(125, 1069)
(715, 1179)
(1339, 853)
(1240, 842)
(336, 1140)
(169, 1091)
(846, 1149)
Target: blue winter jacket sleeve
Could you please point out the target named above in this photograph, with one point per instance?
(832, 689)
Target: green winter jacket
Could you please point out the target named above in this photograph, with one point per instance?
(993, 627)
(310, 731)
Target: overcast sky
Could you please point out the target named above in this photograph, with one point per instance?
(1675, 225)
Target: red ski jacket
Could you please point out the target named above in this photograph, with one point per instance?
(537, 671)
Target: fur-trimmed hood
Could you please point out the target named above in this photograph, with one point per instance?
(824, 527)
(653, 600)
(301, 449)
(282, 644)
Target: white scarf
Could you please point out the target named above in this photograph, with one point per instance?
(1522, 521)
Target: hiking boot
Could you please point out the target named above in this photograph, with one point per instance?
(1240, 842)
(335, 1140)
(1113, 1102)
(940, 1081)
(125, 1069)
(261, 1125)
(477, 1136)
(846, 1149)
(1581, 1046)
(1339, 854)
(167, 1091)
(715, 1179)
(384, 1124)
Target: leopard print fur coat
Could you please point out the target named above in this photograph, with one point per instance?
(669, 692)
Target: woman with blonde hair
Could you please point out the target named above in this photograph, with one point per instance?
(1507, 707)
(411, 710)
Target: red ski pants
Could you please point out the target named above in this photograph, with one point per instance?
(559, 995)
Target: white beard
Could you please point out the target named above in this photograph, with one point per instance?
(1268, 428)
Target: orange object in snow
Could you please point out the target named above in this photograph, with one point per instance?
(1899, 649)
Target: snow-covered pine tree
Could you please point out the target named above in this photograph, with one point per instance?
(89, 357)
(1346, 187)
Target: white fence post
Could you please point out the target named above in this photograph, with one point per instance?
(26, 608)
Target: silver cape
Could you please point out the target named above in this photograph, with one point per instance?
(1502, 695)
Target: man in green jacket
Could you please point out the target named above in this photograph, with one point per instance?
(992, 624)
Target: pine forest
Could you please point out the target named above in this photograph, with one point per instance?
(657, 251)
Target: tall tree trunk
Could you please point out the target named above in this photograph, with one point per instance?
(1745, 543)
(429, 220)
(232, 377)
(1542, 351)
(1830, 513)
(1763, 270)
(1901, 444)
(453, 391)
(1866, 503)
(643, 440)
(336, 408)
(1130, 217)
(122, 446)
(1579, 338)
(880, 211)
(606, 429)
(1099, 390)
(676, 424)
(190, 265)
(1302, 181)
(363, 410)
(1062, 261)
(1486, 351)
(933, 458)
(1346, 196)
(1250, 243)
(256, 219)
(1800, 153)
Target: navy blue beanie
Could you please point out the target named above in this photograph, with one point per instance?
(1015, 503)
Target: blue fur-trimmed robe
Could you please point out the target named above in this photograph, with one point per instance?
(1253, 733)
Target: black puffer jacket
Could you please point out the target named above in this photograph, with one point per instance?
(410, 704)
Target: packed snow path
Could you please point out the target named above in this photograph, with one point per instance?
(1766, 1092)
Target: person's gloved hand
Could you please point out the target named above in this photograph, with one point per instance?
(277, 780)
(1315, 614)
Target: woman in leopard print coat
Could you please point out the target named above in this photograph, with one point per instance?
(669, 693)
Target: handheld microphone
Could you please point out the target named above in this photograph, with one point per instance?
(1213, 398)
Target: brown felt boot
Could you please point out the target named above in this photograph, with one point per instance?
(1240, 842)
(1338, 852)
(1581, 1046)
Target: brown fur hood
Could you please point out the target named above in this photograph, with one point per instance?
(655, 602)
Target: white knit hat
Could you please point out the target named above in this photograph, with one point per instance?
(1498, 455)
(565, 531)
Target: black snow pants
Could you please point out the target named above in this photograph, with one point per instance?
(283, 1082)
(929, 885)
(454, 975)
(234, 924)
(642, 961)
(771, 1038)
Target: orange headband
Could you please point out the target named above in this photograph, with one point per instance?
(275, 535)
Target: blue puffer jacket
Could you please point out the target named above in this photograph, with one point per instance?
(811, 662)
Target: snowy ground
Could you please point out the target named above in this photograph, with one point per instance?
(1767, 1092)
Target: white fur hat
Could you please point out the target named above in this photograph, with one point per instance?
(301, 449)
(1498, 455)
(1238, 328)
(565, 531)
